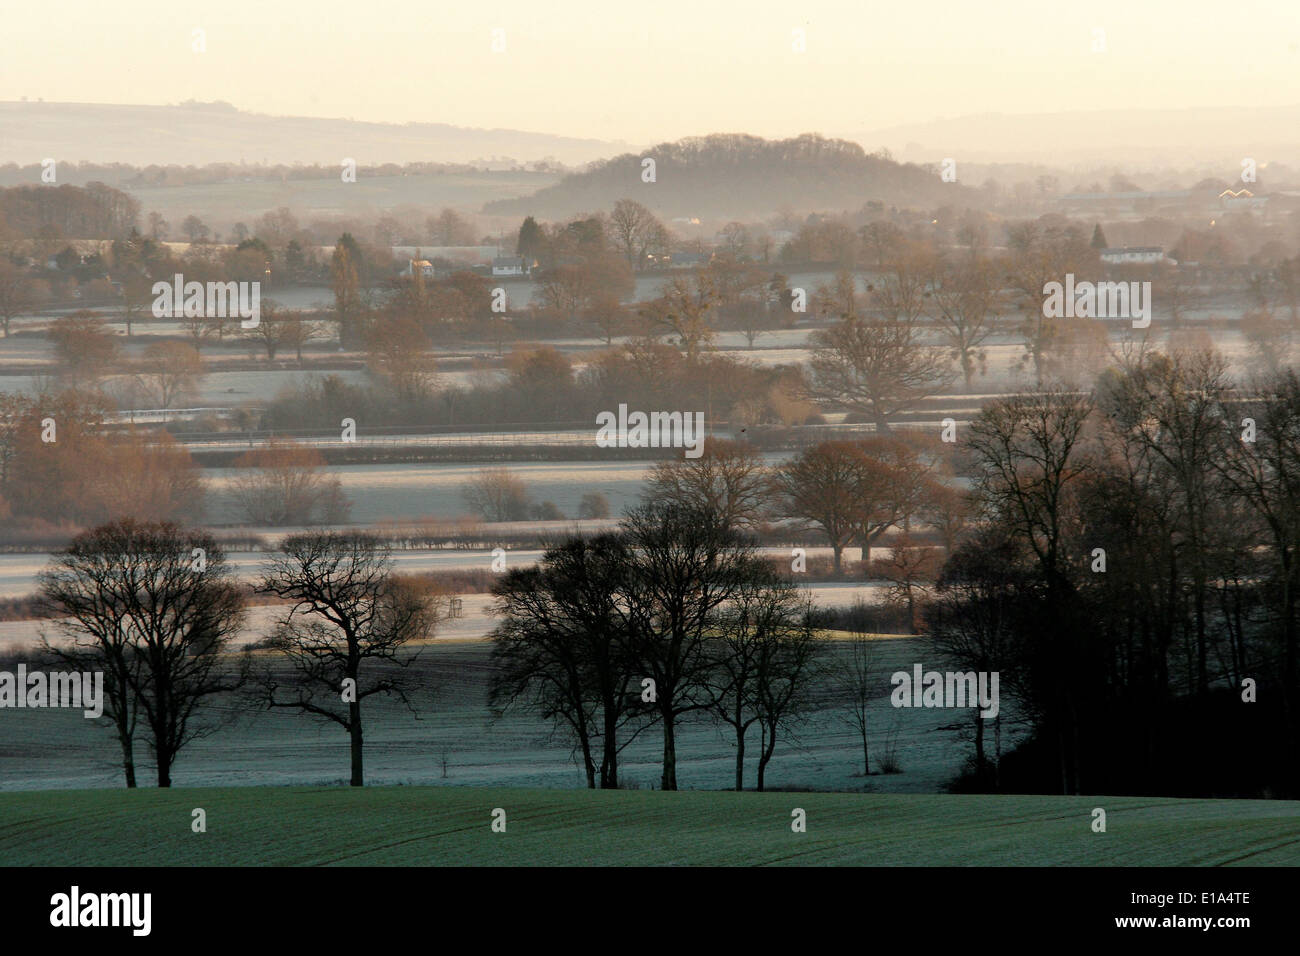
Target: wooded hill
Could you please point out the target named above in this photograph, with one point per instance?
(735, 176)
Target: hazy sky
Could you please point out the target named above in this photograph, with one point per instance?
(660, 69)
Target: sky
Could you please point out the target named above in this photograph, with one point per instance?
(656, 70)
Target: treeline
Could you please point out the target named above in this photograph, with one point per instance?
(1131, 573)
(172, 174)
(62, 468)
(93, 211)
(540, 385)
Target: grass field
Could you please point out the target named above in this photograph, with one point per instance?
(425, 826)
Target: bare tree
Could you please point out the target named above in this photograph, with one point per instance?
(820, 486)
(635, 229)
(964, 296)
(285, 484)
(347, 611)
(860, 671)
(169, 371)
(877, 367)
(83, 348)
(728, 478)
(683, 309)
(399, 357)
(19, 292)
(495, 494)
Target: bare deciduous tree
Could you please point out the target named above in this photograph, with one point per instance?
(727, 478)
(347, 610)
(496, 494)
(285, 484)
(168, 372)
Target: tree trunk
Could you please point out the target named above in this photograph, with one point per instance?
(997, 752)
(164, 767)
(769, 746)
(740, 759)
(354, 728)
(669, 781)
(609, 753)
(128, 758)
(866, 754)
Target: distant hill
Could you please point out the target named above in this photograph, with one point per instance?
(734, 176)
(201, 133)
(1129, 138)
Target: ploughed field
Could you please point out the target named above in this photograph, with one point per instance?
(423, 826)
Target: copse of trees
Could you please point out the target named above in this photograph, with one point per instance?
(855, 492)
(562, 649)
(58, 465)
(671, 616)
(764, 663)
(541, 386)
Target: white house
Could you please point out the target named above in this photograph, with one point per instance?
(1132, 255)
(509, 266)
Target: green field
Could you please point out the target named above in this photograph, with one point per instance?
(431, 826)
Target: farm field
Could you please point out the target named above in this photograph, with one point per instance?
(419, 826)
(456, 742)
(409, 491)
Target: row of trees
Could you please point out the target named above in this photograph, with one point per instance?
(60, 464)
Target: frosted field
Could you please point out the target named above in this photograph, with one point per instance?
(410, 491)
(57, 749)
(1005, 369)
(18, 579)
